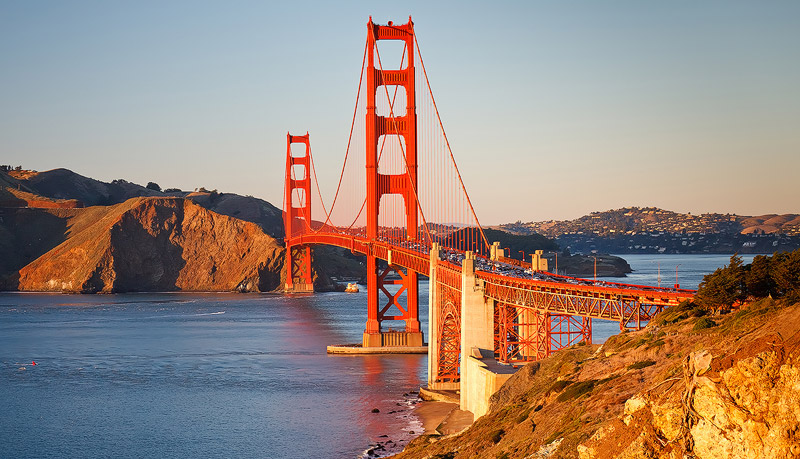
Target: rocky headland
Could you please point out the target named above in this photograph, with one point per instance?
(85, 236)
(156, 244)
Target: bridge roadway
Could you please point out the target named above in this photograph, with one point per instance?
(515, 285)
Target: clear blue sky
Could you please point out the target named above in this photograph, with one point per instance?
(572, 106)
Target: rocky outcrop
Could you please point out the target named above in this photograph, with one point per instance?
(740, 406)
(684, 387)
(157, 244)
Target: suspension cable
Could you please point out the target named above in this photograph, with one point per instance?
(346, 154)
(402, 150)
(447, 142)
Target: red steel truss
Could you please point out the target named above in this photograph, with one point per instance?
(448, 289)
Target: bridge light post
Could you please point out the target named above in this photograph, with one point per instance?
(595, 268)
(677, 285)
(659, 271)
(523, 254)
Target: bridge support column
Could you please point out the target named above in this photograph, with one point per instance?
(297, 214)
(477, 337)
(403, 130)
(434, 313)
(298, 270)
(377, 282)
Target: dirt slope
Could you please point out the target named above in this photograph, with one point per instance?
(683, 387)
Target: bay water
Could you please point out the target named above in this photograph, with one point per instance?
(218, 375)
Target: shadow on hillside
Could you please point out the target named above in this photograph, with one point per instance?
(145, 257)
(27, 234)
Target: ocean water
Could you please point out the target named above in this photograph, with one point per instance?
(217, 375)
(196, 375)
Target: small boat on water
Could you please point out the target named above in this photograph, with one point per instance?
(352, 287)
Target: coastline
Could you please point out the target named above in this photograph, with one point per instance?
(425, 417)
(442, 418)
(430, 417)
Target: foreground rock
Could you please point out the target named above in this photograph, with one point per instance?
(686, 386)
(157, 244)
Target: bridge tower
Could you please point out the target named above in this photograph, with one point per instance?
(297, 212)
(379, 185)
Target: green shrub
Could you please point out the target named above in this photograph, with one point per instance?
(576, 390)
(497, 435)
(698, 311)
(641, 364)
(524, 415)
(704, 323)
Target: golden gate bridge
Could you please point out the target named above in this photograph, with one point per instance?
(401, 202)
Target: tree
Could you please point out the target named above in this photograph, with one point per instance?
(724, 287)
(153, 186)
(758, 280)
(786, 275)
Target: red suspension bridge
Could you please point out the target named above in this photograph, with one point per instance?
(401, 202)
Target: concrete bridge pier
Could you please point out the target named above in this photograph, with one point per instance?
(481, 374)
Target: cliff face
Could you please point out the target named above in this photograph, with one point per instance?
(683, 387)
(157, 244)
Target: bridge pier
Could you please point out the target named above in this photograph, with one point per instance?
(481, 375)
(299, 278)
(408, 281)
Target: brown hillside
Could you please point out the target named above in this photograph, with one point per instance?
(64, 184)
(770, 223)
(766, 229)
(157, 244)
(683, 387)
(247, 208)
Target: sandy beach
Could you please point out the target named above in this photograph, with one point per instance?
(442, 417)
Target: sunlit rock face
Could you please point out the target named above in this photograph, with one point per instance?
(745, 405)
(157, 244)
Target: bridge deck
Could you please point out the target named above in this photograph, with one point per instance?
(515, 285)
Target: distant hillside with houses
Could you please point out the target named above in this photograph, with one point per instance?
(654, 230)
